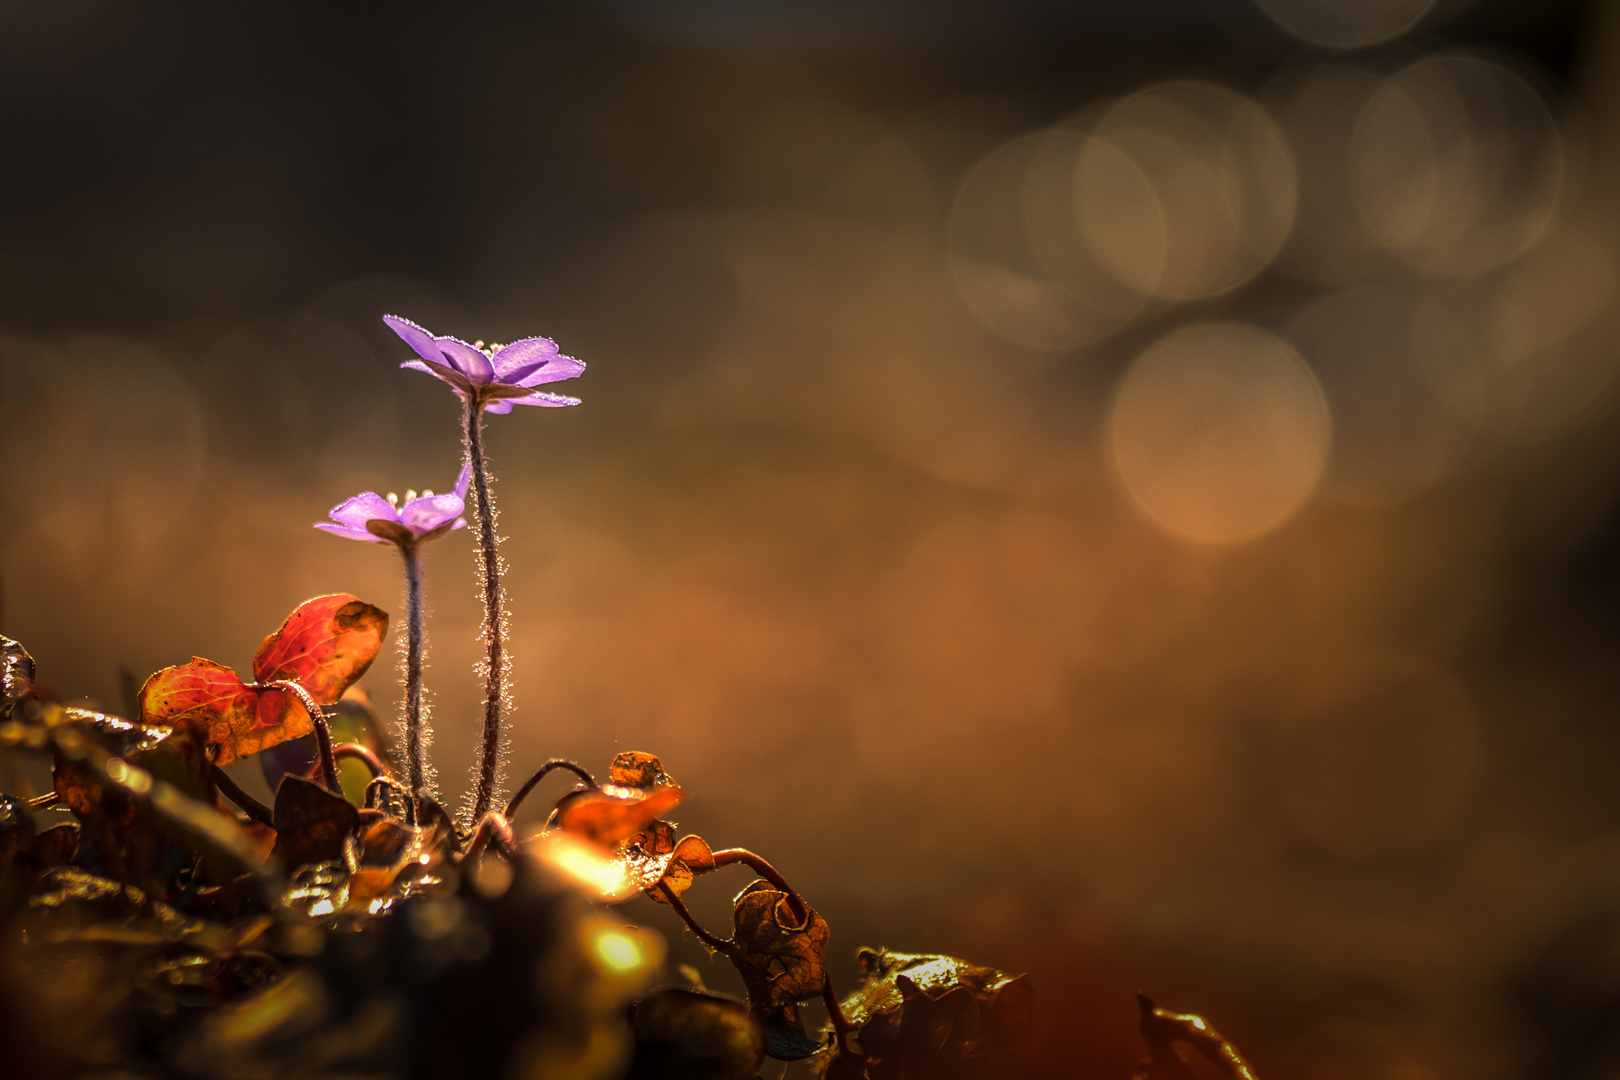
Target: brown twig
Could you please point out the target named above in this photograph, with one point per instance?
(679, 908)
(835, 1013)
(540, 774)
(765, 870)
(252, 807)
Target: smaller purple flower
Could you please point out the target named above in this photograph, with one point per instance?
(389, 521)
(495, 377)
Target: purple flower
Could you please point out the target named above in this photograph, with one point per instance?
(493, 378)
(389, 521)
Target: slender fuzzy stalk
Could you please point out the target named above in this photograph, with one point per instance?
(494, 633)
(317, 718)
(415, 755)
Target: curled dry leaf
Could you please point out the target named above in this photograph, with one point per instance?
(782, 960)
(925, 1015)
(684, 1033)
(637, 768)
(610, 813)
(325, 645)
(653, 857)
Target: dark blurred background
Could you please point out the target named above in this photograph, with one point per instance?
(1123, 490)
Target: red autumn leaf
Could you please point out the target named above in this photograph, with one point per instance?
(210, 699)
(325, 645)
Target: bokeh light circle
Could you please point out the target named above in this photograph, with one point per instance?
(1017, 253)
(1457, 164)
(1346, 24)
(1317, 108)
(1219, 432)
(1185, 190)
(1405, 379)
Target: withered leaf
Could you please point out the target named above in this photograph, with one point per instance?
(383, 843)
(637, 768)
(782, 959)
(312, 824)
(610, 813)
(209, 699)
(673, 865)
(16, 674)
(920, 1013)
(325, 645)
(691, 1033)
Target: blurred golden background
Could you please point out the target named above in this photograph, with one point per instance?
(1123, 490)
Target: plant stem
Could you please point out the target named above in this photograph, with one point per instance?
(372, 762)
(765, 870)
(676, 905)
(540, 774)
(416, 770)
(250, 806)
(494, 633)
(317, 717)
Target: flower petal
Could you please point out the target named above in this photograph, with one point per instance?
(464, 479)
(427, 513)
(525, 354)
(443, 372)
(556, 369)
(541, 398)
(469, 361)
(500, 406)
(357, 511)
(348, 533)
(423, 343)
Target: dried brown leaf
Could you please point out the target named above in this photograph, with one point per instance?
(782, 959)
(921, 1014)
(637, 768)
(608, 814)
(312, 824)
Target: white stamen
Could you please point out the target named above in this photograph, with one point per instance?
(393, 500)
(427, 493)
(410, 493)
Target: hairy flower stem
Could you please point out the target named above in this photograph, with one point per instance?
(415, 768)
(494, 634)
(317, 718)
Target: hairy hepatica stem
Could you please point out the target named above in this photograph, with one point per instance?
(416, 770)
(494, 634)
(317, 717)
